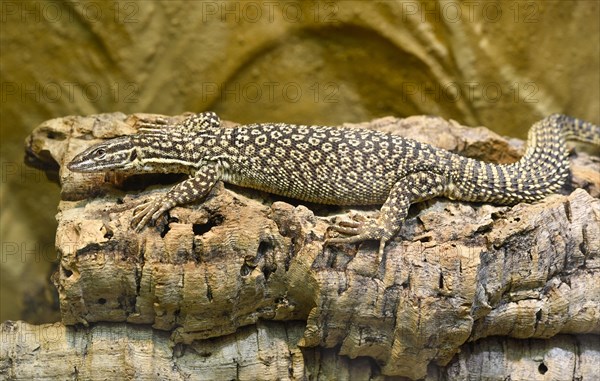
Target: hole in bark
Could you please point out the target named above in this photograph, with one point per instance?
(67, 272)
(567, 207)
(406, 283)
(441, 281)
(582, 245)
(538, 315)
(267, 271)
(484, 228)
(245, 270)
(164, 230)
(496, 215)
(250, 263)
(200, 229)
(542, 368)
(55, 135)
(101, 301)
(263, 248)
(209, 294)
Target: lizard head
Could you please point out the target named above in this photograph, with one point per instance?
(155, 149)
(115, 154)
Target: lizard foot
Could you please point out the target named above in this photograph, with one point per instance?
(358, 232)
(149, 212)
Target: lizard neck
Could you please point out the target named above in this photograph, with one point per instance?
(172, 151)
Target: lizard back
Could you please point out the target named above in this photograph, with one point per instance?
(349, 166)
(319, 164)
(331, 165)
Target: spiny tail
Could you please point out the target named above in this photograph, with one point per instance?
(542, 171)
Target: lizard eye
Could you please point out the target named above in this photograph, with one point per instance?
(100, 152)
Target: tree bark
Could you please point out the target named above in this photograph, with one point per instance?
(265, 351)
(247, 263)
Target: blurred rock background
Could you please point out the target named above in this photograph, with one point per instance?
(499, 64)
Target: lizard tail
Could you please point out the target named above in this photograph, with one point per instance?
(577, 129)
(541, 171)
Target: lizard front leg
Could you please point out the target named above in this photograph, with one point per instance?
(410, 189)
(185, 192)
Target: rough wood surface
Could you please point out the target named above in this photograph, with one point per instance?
(266, 351)
(457, 273)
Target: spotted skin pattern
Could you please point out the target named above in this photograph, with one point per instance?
(331, 165)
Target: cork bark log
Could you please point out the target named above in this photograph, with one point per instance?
(462, 281)
(265, 351)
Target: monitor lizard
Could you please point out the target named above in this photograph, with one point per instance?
(333, 165)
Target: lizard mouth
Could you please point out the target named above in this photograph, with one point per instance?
(78, 165)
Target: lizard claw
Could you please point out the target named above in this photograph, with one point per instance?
(142, 214)
(349, 223)
(347, 227)
(358, 232)
(148, 212)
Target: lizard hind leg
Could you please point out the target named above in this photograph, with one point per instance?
(415, 187)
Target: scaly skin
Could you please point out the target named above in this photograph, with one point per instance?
(330, 165)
